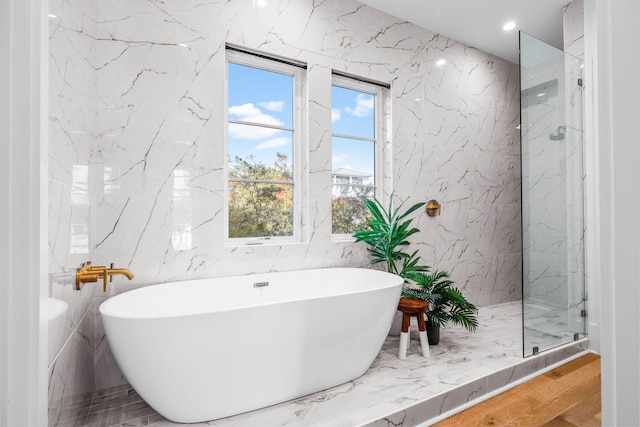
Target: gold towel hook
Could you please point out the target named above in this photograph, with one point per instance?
(433, 207)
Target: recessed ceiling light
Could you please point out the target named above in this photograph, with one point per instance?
(440, 62)
(541, 94)
(51, 15)
(509, 26)
(183, 45)
(260, 3)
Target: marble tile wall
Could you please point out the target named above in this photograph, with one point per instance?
(138, 92)
(72, 114)
(573, 18)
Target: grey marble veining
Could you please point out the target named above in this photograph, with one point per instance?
(137, 92)
(463, 367)
(573, 28)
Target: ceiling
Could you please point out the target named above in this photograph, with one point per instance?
(478, 23)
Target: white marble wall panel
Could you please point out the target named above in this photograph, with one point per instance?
(108, 374)
(573, 28)
(159, 107)
(488, 276)
(72, 374)
(71, 123)
(72, 114)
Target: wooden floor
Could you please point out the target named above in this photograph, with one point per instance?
(566, 396)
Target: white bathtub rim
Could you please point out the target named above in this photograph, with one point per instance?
(105, 309)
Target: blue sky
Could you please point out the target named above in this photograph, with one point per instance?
(352, 114)
(260, 96)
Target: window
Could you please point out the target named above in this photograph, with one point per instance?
(263, 117)
(355, 117)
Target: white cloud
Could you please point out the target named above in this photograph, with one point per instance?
(364, 106)
(340, 158)
(251, 113)
(274, 143)
(275, 106)
(335, 115)
(251, 133)
(243, 111)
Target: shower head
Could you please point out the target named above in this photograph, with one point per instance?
(558, 135)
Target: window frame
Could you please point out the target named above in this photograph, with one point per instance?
(272, 64)
(354, 83)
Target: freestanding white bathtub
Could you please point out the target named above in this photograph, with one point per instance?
(206, 349)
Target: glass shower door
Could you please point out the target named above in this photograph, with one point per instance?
(552, 196)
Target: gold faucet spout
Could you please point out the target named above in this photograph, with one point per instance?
(120, 272)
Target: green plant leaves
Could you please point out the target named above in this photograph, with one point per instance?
(387, 235)
(446, 303)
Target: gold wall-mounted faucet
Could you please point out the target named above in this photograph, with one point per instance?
(92, 273)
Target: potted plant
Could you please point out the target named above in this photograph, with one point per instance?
(387, 237)
(446, 303)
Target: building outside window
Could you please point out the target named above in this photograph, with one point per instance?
(264, 98)
(356, 124)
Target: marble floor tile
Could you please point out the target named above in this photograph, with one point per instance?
(463, 367)
(547, 325)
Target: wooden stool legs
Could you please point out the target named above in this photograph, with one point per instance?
(409, 306)
(404, 336)
(422, 332)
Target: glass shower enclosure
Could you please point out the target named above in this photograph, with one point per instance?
(554, 292)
